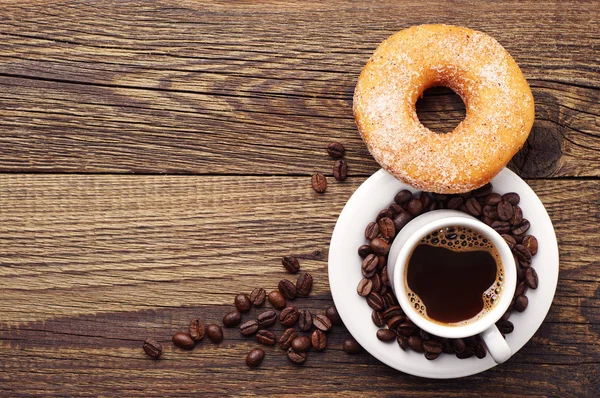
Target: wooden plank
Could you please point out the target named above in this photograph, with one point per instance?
(260, 88)
(91, 265)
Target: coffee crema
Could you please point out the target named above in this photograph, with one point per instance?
(454, 276)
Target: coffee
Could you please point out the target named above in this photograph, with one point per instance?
(454, 276)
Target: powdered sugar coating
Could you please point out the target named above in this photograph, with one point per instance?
(499, 107)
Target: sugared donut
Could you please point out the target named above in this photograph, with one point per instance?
(499, 107)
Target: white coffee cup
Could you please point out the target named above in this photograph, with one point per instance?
(410, 236)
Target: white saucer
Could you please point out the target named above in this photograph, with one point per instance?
(378, 193)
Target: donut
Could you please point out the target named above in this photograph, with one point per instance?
(498, 101)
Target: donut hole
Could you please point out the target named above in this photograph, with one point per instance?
(440, 109)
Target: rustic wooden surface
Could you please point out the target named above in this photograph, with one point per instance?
(155, 160)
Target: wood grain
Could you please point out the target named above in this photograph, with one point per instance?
(92, 265)
(165, 87)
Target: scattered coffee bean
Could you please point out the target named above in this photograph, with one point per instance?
(389, 300)
(505, 327)
(197, 329)
(296, 357)
(424, 335)
(403, 196)
(318, 340)
(242, 302)
(249, 327)
(336, 150)
(432, 355)
(415, 207)
(321, 322)
(387, 228)
(319, 183)
(493, 199)
(393, 311)
(364, 251)
(512, 198)
(531, 243)
(510, 241)
(483, 191)
(364, 287)
(351, 346)
(425, 199)
(183, 340)
(521, 228)
(474, 207)
(305, 320)
(285, 341)
(153, 348)
(502, 227)
(291, 264)
(396, 209)
(402, 342)
(517, 217)
(386, 335)
(258, 296)
(407, 329)
(432, 346)
(255, 357)
(531, 278)
(505, 210)
(521, 303)
(491, 211)
(415, 343)
(518, 238)
(214, 333)
(340, 170)
(301, 344)
(396, 321)
(376, 283)
(401, 219)
(266, 319)
(287, 289)
(467, 353)
(288, 316)
(455, 203)
(380, 246)
(521, 289)
(375, 301)
(333, 316)
(370, 263)
(372, 231)
(523, 254)
(458, 345)
(378, 319)
(479, 350)
(304, 284)
(277, 300)
(232, 319)
(266, 337)
(383, 214)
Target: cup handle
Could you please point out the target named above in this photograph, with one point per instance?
(496, 344)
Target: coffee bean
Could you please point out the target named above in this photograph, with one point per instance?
(296, 357)
(415, 343)
(382, 262)
(370, 263)
(431, 356)
(318, 340)
(467, 353)
(351, 346)
(364, 251)
(517, 217)
(372, 231)
(387, 229)
(523, 254)
(197, 329)
(255, 357)
(455, 202)
(512, 198)
(386, 335)
(510, 241)
(232, 319)
(407, 329)
(258, 296)
(376, 280)
(521, 271)
(521, 228)
(432, 346)
(502, 227)
(521, 289)
(521, 303)
(375, 301)
(378, 319)
(415, 207)
(368, 273)
(334, 316)
(385, 213)
(214, 333)
(288, 316)
(242, 302)
(531, 243)
(401, 219)
(458, 345)
(487, 221)
(474, 207)
(304, 284)
(492, 199)
(396, 321)
(505, 210)
(364, 287)
(385, 278)
(305, 320)
(531, 278)
(518, 238)
(291, 264)
(425, 199)
(153, 348)
(389, 300)
(301, 344)
(402, 342)
(183, 340)
(403, 196)
(470, 341)
(319, 182)
(393, 311)
(483, 191)
(277, 300)
(336, 150)
(506, 314)
(266, 319)
(479, 350)
(395, 209)
(285, 341)
(266, 337)
(249, 327)
(321, 322)
(505, 327)
(424, 335)
(287, 289)
(491, 211)
(340, 170)
(380, 246)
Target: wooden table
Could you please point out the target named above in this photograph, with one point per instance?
(155, 159)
